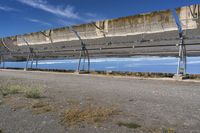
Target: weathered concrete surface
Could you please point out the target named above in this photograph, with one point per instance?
(144, 29)
(153, 104)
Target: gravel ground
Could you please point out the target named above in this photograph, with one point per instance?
(155, 105)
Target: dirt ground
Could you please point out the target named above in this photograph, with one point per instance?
(140, 105)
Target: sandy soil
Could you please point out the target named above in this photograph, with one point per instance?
(155, 105)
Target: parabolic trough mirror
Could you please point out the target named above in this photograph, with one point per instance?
(129, 64)
(150, 34)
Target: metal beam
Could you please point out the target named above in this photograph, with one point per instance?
(83, 52)
(194, 11)
(5, 46)
(2, 62)
(50, 38)
(31, 55)
(182, 60)
(101, 29)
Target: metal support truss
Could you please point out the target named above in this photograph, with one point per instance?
(5, 46)
(194, 10)
(31, 56)
(84, 54)
(2, 61)
(49, 35)
(101, 29)
(182, 61)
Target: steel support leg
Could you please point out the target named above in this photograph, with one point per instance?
(182, 61)
(2, 63)
(84, 57)
(88, 56)
(32, 62)
(80, 58)
(84, 54)
(36, 63)
(27, 61)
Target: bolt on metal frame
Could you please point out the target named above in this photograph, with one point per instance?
(84, 54)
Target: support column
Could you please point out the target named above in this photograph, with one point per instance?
(49, 36)
(2, 63)
(31, 55)
(103, 30)
(84, 54)
(27, 61)
(182, 57)
(182, 61)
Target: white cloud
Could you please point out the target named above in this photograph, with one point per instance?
(67, 12)
(92, 17)
(7, 9)
(64, 22)
(91, 14)
(38, 21)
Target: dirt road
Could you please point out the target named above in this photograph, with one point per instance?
(154, 105)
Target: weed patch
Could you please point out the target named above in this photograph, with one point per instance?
(129, 125)
(89, 115)
(41, 107)
(11, 89)
(33, 93)
(165, 130)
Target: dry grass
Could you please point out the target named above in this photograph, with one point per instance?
(129, 125)
(169, 130)
(157, 130)
(89, 115)
(30, 92)
(11, 89)
(34, 93)
(41, 107)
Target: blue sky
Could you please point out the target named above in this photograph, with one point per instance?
(24, 16)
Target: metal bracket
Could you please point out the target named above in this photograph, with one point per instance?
(31, 55)
(182, 61)
(84, 54)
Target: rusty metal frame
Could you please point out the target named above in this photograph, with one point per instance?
(84, 54)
